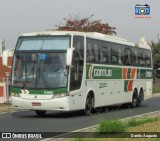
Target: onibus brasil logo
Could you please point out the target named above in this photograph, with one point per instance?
(142, 11)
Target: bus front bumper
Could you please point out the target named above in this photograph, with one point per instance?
(60, 104)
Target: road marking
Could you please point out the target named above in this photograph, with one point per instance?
(8, 112)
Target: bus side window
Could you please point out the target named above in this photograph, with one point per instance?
(148, 58)
(78, 43)
(126, 57)
(96, 52)
(148, 62)
(126, 60)
(134, 61)
(114, 59)
(90, 54)
(104, 52)
(114, 53)
(141, 61)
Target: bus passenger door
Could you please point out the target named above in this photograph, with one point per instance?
(75, 82)
(76, 72)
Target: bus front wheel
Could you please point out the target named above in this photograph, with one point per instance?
(40, 113)
(89, 105)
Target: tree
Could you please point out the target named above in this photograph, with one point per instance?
(86, 25)
(156, 58)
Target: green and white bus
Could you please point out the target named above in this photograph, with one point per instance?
(69, 70)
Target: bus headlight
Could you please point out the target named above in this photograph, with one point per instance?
(15, 94)
(60, 95)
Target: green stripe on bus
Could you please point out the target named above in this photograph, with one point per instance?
(102, 72)
(144, 74)
(126, 85)
(40, 92)
(14, 90)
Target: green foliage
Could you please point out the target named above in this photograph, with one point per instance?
(156, 89)
(156, 66)
(118, 126)
(136, 122)
(79, 139)
(111, 126)
(86, 24)
(155, 51)
(156, 59)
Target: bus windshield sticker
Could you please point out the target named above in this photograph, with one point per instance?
(42, 56)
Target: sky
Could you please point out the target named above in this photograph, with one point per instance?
(22, 16)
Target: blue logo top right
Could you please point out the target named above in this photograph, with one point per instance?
(142, 9)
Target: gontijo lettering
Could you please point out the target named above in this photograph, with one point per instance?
(103, 72)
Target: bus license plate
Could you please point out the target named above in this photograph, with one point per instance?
(36, 104)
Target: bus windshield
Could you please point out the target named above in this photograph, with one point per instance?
(43, 43)
(39, 70)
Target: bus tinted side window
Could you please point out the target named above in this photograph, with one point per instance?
(141, 58)
(112, 53)
(148, 58)
(115, 54)
(104, 52)
(126, 56)
(92, 51)
(134, 56)
(78, 43)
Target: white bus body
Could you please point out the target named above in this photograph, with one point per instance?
(67, 71)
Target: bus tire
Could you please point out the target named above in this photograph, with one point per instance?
(140, 97)
(40, 113)
(88, 105)
(134, 102)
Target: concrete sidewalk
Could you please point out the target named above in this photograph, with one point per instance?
(6, 107)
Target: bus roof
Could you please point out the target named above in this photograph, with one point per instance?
(95, 35)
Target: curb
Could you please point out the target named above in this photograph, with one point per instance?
(156, 95)
(93, 128)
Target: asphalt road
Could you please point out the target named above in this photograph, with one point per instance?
(27, 121)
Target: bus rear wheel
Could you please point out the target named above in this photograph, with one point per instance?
(88, 105)
(40, 113)
(134, 102)
(141, 97)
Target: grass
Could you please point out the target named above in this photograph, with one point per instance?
(111, 126)
(156, 89)
(115, 126)
(131, 126)
(136, 122)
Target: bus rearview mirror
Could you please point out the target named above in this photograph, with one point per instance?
(69, 56)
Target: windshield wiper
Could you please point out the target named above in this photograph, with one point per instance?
(22, 80)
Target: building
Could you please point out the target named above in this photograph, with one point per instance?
(7, 57)
(3, 69)
(2, 46)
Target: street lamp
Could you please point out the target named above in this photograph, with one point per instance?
(7, 86)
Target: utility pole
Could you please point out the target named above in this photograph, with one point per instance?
(7, 86)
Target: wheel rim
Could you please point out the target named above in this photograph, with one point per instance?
(88, 107)
(134, 101)
(88, 104)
